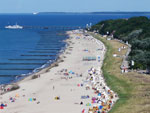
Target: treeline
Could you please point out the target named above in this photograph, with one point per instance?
(136, 31)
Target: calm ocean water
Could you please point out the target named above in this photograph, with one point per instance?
(31, 49)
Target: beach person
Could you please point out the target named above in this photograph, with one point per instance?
(2, 88)
(53, 87)
(8, 89)
(38, 102)
(81, 103)
(34, 99)
(83, 111)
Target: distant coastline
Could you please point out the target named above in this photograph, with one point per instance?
(103, 12)
(78, 13)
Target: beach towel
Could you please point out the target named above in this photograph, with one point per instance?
(85, 97)
(88, 104)
(30, 99)
(83, 111)
(70, 72)
(78, 85)
(17, 95)
(1, 107)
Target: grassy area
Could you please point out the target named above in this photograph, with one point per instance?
(133, 88)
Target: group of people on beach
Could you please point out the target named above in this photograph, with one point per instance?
(103, 97)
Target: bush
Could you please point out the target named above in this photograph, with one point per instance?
(34, 76)
(14, 87)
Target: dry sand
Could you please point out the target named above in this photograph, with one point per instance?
(53, 83)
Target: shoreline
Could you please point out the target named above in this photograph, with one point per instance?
(77, 72)
(36, 74)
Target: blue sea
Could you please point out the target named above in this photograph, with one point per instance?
(28, 50)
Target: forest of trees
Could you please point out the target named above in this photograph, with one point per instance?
(136, 31)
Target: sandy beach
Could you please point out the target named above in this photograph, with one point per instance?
(70, 86)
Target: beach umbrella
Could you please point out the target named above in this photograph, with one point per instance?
(93, 98)
(70, 72)
(11, 98)
(87, 96)
(100, 107)
(2, 105)
(93, 101)
(88, 104)
(98, 112)
(99, 94)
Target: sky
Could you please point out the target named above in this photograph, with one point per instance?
(29, 6)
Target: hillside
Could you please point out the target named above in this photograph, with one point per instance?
(132, 88)
(136, 31)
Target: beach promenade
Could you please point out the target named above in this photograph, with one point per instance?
(74, 85)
